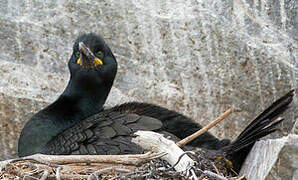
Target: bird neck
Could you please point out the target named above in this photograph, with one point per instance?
(79, 100)
(70, 108)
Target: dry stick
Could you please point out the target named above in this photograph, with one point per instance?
(69, 176)
(45, 175)
(101, 171)
(53, 160)
(157, 143)
(204, 129)
(58, 177)
(217, 171)
(212, 174)
(241, 177)
(193, 175)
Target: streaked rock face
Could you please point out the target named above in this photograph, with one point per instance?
(196, 57)
(273, 159)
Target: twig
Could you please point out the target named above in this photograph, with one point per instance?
(45, 175)
(30, 177)
(35, 157)
(97, 173)
(209, 173)
(70, 176)
(204, 129)
(180, 157)
(92, 175)
(58, 173)
(217, 171)
(155, 142)
(123, 176)
(53, 160)
(241, 177)
(234, 171)
(193, 175)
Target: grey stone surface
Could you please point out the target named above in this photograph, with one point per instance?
(273, 159)
(197, 57)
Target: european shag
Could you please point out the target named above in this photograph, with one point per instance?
(76, 122)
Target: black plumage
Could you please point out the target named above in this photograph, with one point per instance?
(77, 124)
(235, 153)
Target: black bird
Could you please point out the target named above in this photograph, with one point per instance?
(76, 122)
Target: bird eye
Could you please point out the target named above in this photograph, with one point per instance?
(77, 54)
(99, 54)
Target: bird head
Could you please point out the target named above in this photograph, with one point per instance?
(92, 64)
(93, 68)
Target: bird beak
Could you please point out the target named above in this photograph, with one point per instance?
(87, 58)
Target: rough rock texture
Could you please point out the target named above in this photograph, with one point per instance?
(197, 57)
(273, 159)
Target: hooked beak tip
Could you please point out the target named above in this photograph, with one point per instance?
(81, 46)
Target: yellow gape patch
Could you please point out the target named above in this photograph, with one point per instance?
(96, 60)
(79, 62)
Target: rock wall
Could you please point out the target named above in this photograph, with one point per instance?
(193, 56)
(273, 159)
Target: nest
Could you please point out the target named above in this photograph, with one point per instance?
(155, 169)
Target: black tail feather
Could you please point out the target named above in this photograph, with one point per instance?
(254, 137)
(270, 113)
(261, 126)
